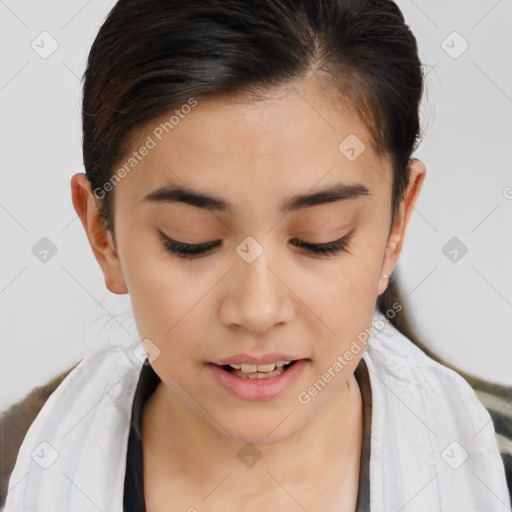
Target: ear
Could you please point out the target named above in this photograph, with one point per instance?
(100, 238)
(397, 236)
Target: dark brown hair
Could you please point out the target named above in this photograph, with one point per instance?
(152, 56)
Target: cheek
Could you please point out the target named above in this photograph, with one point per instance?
(162, 297)
(167, 317)
(345, 310)
(345, 296)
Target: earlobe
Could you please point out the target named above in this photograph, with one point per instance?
(100, 238)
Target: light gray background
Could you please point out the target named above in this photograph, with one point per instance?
(53, 313)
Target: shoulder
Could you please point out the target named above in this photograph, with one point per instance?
(402, 364)
(413, 385)
(499, 405)
(15, 422)
(407, 380)
(112, 370)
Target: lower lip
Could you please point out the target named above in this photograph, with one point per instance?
(257, 389)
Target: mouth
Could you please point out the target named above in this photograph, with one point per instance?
(248, 381)
(262, 371)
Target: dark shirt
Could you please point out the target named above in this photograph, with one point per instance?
(149, 380)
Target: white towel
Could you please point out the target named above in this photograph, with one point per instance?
(433, 444)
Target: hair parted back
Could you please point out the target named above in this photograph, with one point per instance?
(151, 56)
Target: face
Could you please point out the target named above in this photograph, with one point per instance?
(255, 290)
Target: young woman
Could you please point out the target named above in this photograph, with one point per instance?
(249, 182)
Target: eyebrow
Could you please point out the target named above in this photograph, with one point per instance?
(178, 194)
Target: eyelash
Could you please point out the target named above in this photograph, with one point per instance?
(190, 251)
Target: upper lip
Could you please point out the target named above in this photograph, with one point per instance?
(247, 358)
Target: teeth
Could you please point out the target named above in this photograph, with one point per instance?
(258, 375)
(263, 368)
(249, 368)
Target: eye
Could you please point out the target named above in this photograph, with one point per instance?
(327, 248)
(183, 250)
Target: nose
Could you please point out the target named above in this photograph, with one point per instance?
(257, 297)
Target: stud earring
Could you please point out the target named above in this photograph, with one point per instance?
(385, 276)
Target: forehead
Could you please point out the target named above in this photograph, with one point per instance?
(300, 137)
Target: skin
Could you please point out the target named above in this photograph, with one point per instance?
(254, 155)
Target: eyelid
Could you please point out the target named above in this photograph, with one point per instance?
(327, 248)
(168, 239)
(195, 250)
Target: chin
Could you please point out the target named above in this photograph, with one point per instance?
(264, 432)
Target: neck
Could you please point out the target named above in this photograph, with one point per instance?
(178, 442)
